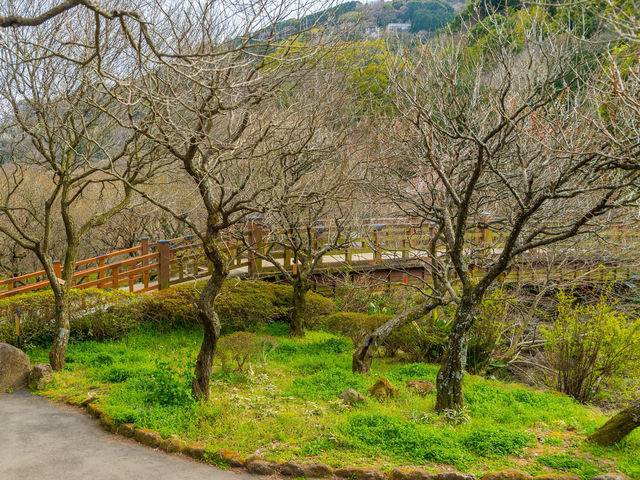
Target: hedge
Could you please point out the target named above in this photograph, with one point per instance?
(103, 314)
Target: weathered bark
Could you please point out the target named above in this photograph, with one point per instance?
(300, 289)
(210, 322)
(449, 379)
(618, 427)
(63, 326)
(363, 356)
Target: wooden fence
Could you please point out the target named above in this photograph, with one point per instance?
(385, 245)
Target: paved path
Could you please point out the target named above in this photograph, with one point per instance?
(40, 440)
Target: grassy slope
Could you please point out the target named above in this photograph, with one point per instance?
(288, 409)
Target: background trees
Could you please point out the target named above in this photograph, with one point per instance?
(483, 141)
(64, 152)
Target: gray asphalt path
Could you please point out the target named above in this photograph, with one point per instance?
(43, 440)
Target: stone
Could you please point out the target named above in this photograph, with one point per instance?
(317, 470)
(421, 387)
(260, 466)
(41, 374)
(383, 388)
(456, 476)
(352, 397)
(94, 410)
(107, 423)
(611, 476)
(557, 476)
(292, 469)
(194, 450)
(229, 457)
(14, 368)
(147, 437)
(171, 445)
(403, 473)
(353, 473)
(509, 474)
(126, 430)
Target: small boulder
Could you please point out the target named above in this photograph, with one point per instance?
(611, 476)
(126, 430)
(509, 474)
(352, 397)
(147, 437)
(229, 457)
(317, 470)
(40, 375)
(107, 423)
(292, 469)
(383, 388)
(171, 445)
(456, 476)
(402, 473)
(260, 466)
(194, 450)
(14, 368)
(353, 473)
(557, 476)
(421, 387)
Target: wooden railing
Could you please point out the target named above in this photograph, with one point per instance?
(387, 243)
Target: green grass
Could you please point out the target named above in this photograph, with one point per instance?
(289, 409)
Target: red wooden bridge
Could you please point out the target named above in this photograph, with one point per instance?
(388, 249)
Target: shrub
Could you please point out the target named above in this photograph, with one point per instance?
(102, 314)
(241, 306)
(354, 325)
(241, 347)
(168, 386)
(590, 345)
(95, 314)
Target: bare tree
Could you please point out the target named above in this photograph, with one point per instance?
(499, 138)
(54, 114)
(211, 101)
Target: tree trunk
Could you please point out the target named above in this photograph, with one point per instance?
(300, 288)
(210, 322)
(618, 427)
(449, 379)
(63, 326)
(363, 356)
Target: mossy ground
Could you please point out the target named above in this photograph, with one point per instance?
(288, 409)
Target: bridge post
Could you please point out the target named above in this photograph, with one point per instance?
(57, 268)
(164, 264)
(377, 243)
(255, 240)
(144, 250)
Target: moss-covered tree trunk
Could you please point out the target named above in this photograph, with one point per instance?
(300, 289)
(449, 379)
(210, 322)
(363, 355)
(621, 425)
(58, 350)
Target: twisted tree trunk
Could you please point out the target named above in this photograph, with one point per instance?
(363, 356)
(58, 349)
(449, 379)
(621, 425)
(210, 322)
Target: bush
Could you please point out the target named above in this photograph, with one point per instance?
(241, 306)
(102, 314)
(354, 325)
(95, 314)
(241, 347)
(590, 345)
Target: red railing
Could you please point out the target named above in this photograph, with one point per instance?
(156, 266)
